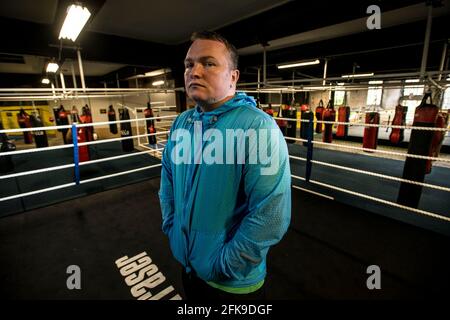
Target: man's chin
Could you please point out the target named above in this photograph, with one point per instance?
(200, 100)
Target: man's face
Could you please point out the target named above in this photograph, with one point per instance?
(208, 74)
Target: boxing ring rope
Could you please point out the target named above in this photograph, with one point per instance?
(72, 165)
(310, 142)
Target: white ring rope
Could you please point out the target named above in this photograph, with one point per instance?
(80, 125)
(65, 166)
(79, 144)
(382, 151)
(25, 194)
(120, 173)
(381, 175)
(372, 150)
(118, 157)
(366, 124)
(313, 192)
(423, 212)
(120, 139)
(64, 146)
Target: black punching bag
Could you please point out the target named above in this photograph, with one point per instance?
(6, 164)
(420, 144)
(40, 136)
(150, 124)
(112, 117)
(125, 131)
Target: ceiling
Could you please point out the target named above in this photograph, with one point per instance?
(126, 38)
(172, 21)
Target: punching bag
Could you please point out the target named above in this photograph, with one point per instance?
(63, 120)
(24, 122)
(343, 116)
(282, 123)
(6, 164)
(125, 131)
(40, 136)
(438, 138)
(319, 116)
(112, 117)
(396, 135)
(419, 144)
(370, 138)
(329, 114)
(150, 124)
(86, 117)
(269, 110)
(291, 126)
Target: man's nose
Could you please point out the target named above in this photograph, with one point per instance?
(197, 70)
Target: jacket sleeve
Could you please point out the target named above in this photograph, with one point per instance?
(166, 194)
(268, 191)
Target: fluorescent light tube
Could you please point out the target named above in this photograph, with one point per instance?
(158, 83)
(52, 67)
(357, 75)
(76, 18)
(298, 64)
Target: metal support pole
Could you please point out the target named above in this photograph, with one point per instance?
(63, 83)
(259, 77)
(325, 66)
(444, 56)
(80, 65)
(264, 66)
(74, 79)
(426, 43)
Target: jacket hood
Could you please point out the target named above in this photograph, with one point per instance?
(240, 99)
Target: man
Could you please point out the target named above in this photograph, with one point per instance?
(222, 215)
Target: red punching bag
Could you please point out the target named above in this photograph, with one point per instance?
(370, 138)
(319, 116)
(269, 110)
(25, 122)
(343, 116)
(438, 137)
(396, 135)
(329, 114)
(83, 151)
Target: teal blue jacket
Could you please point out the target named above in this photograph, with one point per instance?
(222, 218)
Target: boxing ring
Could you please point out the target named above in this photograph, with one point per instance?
(332, 222)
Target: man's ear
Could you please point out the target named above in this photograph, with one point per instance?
(235, 76)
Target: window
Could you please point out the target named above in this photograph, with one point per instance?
(339, 98)
(446, 103)
(412, 95)
(374, 94)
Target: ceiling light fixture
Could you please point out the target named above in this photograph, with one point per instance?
(298, 64)
(158, 83)
(52, 67)
(357, 75)
(45, 81)
(76, 18)
(157, 72)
